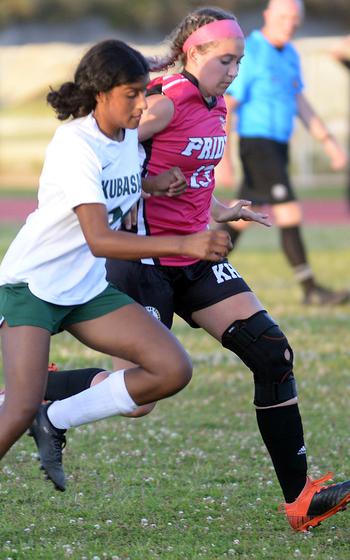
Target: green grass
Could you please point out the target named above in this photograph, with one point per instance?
(192, 480)
(306, 193)
(18, 192)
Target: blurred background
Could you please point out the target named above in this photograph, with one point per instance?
(41, 42)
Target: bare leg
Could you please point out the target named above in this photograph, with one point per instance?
(25, 378)
(132, 334)
(237, 321)
(216, 318)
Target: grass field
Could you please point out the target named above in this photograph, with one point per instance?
(192, 480)
(335, 192)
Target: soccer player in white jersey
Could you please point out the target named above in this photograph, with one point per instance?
(53, 276)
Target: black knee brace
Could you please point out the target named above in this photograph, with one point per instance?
(262, 346)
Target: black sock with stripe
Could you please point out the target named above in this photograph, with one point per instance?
(282, 432)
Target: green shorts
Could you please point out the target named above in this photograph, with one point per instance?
(20, 307)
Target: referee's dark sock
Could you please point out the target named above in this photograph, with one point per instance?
(294, 249)
(282, 432)
(64, 384)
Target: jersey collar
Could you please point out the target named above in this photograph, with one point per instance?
(191, 78)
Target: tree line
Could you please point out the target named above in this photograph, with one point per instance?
(143, 15)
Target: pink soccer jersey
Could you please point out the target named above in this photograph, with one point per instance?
(194, 141)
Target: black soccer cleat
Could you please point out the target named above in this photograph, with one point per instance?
(50, 442)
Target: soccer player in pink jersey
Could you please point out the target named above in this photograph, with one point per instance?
(184, 125)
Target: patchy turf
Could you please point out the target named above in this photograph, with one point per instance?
(192, 481)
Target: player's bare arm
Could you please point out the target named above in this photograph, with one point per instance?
(169, 183)
(105, 242)
(320, 132)
(157, 116)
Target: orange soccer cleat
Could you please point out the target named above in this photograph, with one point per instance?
(316, 503)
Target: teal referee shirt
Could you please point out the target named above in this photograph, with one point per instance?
(266, 87)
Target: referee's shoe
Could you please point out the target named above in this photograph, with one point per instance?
(319, 295)
(50, 442)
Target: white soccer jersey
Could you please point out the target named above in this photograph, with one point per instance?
(50, 252)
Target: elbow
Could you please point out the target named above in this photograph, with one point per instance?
(97, 249)
(96, 252)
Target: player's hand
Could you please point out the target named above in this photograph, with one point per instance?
(341, 50)
(169, 183)
(210, 245)
(145, 194)
(130, 219)
(336, 154)
(239, 211)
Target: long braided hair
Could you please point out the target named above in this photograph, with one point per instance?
(177, 38)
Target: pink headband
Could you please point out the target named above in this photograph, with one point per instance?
(214, 31)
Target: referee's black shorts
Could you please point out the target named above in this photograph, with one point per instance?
(265, 171)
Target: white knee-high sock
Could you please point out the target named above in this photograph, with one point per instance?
(108, 398)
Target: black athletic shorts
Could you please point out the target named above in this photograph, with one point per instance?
(265, 171)
(165, 290)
